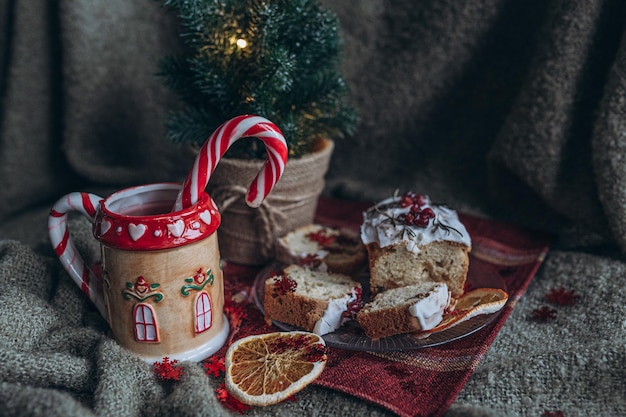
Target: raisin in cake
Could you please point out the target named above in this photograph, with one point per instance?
(321, 247)
(316, 301)
(413, 308)
(410, 240)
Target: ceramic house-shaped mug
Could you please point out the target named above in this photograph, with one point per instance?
(161, 287)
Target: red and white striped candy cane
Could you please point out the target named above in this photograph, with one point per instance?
(219, 142)
(87, 205)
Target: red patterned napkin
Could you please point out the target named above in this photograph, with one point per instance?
(421, 382)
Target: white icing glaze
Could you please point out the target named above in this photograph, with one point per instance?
(300, 245)
(333, 316)
(429, 310)
(378, 226)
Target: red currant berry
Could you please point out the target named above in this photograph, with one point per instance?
(409, 218)
(421, 221)
(420, 200)
(428, 213)
(415, 209)
(406, 201)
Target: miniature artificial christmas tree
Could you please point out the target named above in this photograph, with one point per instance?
(274, 58)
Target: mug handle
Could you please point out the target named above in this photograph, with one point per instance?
(86, 204)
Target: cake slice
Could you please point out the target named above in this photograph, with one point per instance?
(323, 248)
(413, 308)
(316, 301)
(410, 240)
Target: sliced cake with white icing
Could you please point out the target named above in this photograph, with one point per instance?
(323, 248)
(410, 240)
(413, 308)
(316, 301)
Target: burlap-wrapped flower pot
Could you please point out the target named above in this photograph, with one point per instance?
(248, 235)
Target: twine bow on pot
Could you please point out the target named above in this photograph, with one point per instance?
(248, 236)
(266, 217)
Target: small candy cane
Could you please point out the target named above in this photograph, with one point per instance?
(219, 142)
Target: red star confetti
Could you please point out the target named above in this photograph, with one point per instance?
(231, 402)
(557, 413)
(215, 366)
(544, 314)
(561, 296)
(168, 370)
(236, 315)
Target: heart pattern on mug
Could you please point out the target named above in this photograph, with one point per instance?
(141, 286)
(105, 226)
(177, 228)
(136, 231)
(205, 216)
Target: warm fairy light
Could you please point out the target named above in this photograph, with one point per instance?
(242, 43)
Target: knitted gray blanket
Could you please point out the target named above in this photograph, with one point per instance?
(506, 109)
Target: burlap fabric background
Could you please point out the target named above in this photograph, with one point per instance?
(502, 108)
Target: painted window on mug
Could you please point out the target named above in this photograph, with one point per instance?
(204, 315)
(145, 324)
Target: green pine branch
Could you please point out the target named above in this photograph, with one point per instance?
(288, 71)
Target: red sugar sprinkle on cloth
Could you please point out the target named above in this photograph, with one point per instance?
(422, 382)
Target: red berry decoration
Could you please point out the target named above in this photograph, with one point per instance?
(406, 201)
(428, 213)
(417, 215)
(421, 221)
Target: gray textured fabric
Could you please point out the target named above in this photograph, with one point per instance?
(575, 363)
(502, 108)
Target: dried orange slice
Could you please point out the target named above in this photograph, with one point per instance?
(482, 300)
(269, 368)
(471, 304)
